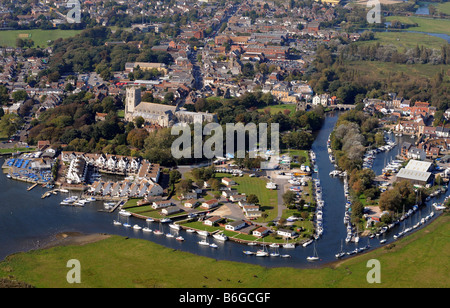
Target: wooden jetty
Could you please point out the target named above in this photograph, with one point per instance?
(33, 186)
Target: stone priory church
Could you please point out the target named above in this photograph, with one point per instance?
(159, 114)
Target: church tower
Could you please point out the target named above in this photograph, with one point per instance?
(132, 99)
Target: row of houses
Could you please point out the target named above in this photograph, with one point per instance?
(143, 188)
(116, 164)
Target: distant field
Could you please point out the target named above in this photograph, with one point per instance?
(40, 37)
(406, 40)
(442, 7)
(381, 70)
(424, 24)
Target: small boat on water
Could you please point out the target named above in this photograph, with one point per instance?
(248, 252)
(213, 245)
(170, 235)
(307, 243)
(137, 227)
(127, 225)
(158, 232)
(124, 213)
(174, 226)
(179, 238)
(262, 253)
(221, 237)
(203, 233)
(117, 223)
(147, 229)
(203, 243)
(315, 256)
(285, 256)
(341, 253)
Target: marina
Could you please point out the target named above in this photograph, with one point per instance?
(28, 221)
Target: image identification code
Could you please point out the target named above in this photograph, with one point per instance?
(225, 298)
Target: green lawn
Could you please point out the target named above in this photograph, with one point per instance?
(419, 260)
(274, 109)
(8, 151)
(40, 37)
(268, 199)
(424, 24)
(382, 70)
(442, 7)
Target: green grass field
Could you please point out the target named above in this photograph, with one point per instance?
(268, 199)
(424, 24)
(274, 109)
(381, 70)
(419, 260)
(405, 40)
(443, 7)
(40, 37)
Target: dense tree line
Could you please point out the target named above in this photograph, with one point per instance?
(88, 52)
(354, 132)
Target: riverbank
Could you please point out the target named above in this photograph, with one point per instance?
(123, 262)
(74, 238)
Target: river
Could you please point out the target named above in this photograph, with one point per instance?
(28, 222)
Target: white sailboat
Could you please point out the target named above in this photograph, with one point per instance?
(382, 241)
(262, 252)
(341, 253)
(275, 253)
(315, 256)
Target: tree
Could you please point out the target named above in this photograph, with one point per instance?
(288, 197)
(252, 199)
(139, 121)
(9, 124)
(174, 176)
(184, 186)
(20, 95)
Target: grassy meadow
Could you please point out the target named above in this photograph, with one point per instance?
(405, 40)
(424, 24)
(442, 7)
(40, 37)
(419, 260)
